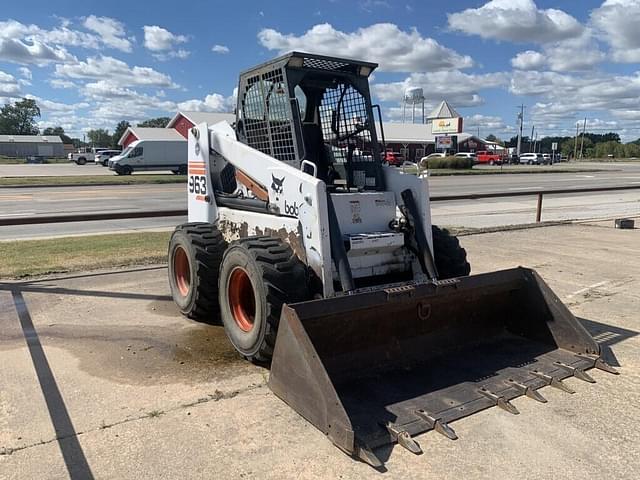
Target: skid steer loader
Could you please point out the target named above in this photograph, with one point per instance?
(322, 262)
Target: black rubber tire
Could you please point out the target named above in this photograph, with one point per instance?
(81, 161)
(205, 247)
(277, 277)
(450, 257)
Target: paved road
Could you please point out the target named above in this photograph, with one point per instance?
(58, 169)
(101, 377)
(468, 213)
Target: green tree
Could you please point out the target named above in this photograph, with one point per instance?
(19, 118)
(632, 150)
(59, 131)
(99, 137)
(159, 122)
(492, 138)
(119, 131)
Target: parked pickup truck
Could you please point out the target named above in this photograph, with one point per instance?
(491, 158)
(84, 156)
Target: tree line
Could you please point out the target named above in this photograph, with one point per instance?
(596, 145)
(21, 118)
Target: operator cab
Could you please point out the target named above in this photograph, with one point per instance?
(315, 113)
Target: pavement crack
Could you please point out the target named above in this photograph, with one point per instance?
(216, 396)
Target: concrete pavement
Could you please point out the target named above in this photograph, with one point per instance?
(101, 376)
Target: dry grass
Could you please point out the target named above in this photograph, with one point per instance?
(25, 258)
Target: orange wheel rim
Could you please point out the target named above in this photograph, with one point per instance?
(181, 271)
(242, 300)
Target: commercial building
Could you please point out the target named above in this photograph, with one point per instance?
(31, 146)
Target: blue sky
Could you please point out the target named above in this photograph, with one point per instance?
(91, 64)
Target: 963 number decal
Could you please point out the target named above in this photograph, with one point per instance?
(198, 184)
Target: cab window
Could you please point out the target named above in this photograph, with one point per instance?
(136, 152)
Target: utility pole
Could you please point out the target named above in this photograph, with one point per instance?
(521, 120)
(575, 146)
(533, 129)
(584, 127)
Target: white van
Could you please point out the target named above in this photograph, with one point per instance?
(151, 155)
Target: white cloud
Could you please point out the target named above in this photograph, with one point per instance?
(564, 97)
(211, 103)
(384, 43)
(461, 89)
(163, 42)
(618, 21)
(49, 106)
(31, 44)
(516, 21)
(9, 86)
(59, 83)
(574, 54)
(110, 30)
(62, 35)
(528, 60)
(35, 52)
(220, 49)
(26, 73)
(109, 68)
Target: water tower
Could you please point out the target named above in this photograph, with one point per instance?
(413, 96)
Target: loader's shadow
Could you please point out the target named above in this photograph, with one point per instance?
(607, 336)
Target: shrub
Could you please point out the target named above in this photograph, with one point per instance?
(447, 162)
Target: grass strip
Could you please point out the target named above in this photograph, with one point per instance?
(27, 258)
(506, 171)
(92, 180)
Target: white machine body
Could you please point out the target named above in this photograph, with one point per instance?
(297, 207)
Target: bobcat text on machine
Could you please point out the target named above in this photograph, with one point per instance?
(323, 262)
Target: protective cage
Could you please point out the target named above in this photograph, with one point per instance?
(269, 116)
(379, 366)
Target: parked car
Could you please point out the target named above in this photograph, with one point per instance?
(393, 158)
(83, 156)
(547, 158)
(465, 155)
(151, 155)
(102, 157)
(489, 158)
(532, 158)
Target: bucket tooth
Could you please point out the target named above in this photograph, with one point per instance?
(403, 438)
(500, 401)
(528, 391)
(553, 382)
(576, 372)
(367, 456)
(604, 366)
(599, 363)
(438, 425)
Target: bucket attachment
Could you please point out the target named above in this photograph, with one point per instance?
(384, 364)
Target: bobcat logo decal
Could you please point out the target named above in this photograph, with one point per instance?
(276, 184)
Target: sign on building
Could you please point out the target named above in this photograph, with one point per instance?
(444, 143)
(446, 125)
